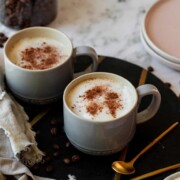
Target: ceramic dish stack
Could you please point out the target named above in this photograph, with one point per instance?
(160, 32)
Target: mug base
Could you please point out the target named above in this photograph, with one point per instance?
(96, 152)
(37, 101)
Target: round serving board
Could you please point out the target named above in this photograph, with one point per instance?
(166, 152)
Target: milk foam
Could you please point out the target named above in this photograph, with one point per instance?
(78, 104)
(15, 53)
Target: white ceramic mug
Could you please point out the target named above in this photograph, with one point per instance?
(43, 86)
(103, 137)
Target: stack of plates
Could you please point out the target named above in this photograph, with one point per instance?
(160, 32)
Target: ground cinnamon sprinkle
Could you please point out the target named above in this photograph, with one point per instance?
(113, 103)
(111, 100)
(92, 93)
(93, 108)
(111, 95)
(42, 57)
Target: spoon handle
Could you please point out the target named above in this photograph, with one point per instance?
(158, 171)
(154, 141)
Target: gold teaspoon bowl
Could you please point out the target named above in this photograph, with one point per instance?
(122, 167)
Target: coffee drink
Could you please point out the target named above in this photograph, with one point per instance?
(39, 63)
(38, 53)
(100, 99)
(100, 111)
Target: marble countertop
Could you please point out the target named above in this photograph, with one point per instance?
(112, 28)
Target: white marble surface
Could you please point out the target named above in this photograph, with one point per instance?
(112, 27)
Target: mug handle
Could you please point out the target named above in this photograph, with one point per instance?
(88, 51)
(153, 107)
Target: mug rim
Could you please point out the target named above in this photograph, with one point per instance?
(99, 121)
(39, 28)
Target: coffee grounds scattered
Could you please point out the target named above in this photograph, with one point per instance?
(150, 69)
(167, 84)
(3, 39)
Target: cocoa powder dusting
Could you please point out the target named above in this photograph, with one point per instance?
(111, 95)
(93, 108)
(43, 57)
(113, 105)
(111, 100)
(92, 93)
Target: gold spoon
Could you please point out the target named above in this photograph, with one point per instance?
(158, 171)
(122, 167)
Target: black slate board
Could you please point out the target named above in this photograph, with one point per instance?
(166, 152)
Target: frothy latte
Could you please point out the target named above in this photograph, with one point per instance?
(100, 99)
(38, 53)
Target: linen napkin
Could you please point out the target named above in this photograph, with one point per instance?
(18, 148)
